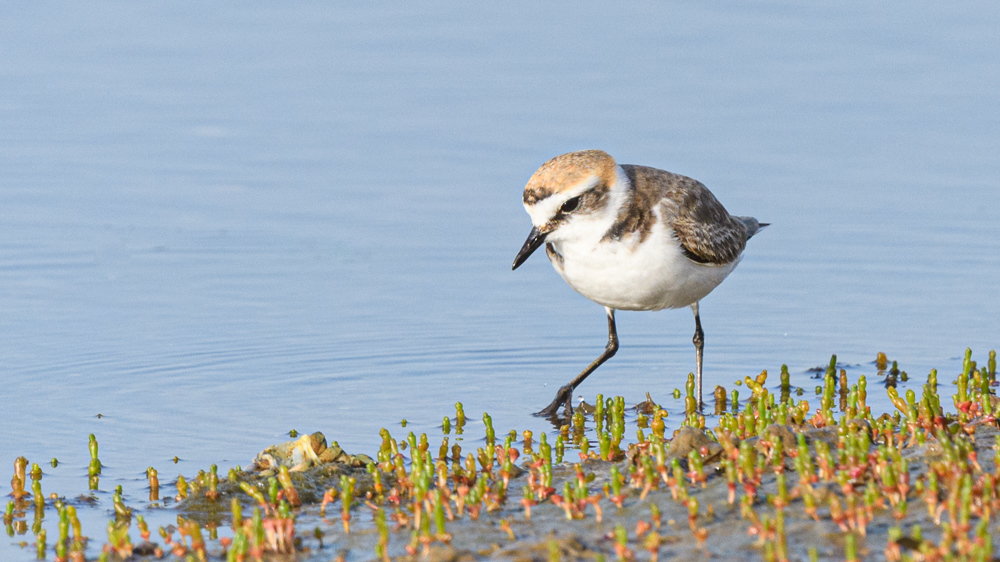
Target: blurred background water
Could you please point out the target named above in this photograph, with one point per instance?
(220, 222)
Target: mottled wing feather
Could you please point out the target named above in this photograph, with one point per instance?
(706, 231)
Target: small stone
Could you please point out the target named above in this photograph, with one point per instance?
(688, 439)
(145, 549)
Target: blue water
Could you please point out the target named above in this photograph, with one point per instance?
(220, 222)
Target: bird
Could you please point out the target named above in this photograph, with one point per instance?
(630, 237)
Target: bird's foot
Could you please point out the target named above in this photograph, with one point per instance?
(563, 398)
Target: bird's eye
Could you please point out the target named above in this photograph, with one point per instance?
(570, 205)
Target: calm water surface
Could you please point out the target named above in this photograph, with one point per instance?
(219, 223)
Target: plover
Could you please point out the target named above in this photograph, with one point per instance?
(630, 238)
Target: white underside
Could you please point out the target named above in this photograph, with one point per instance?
(626, 275)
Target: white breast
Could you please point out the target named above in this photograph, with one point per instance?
(629, 275)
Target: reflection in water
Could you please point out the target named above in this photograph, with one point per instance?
(720, 400)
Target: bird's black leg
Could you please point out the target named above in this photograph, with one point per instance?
(699, 350)
(565, 395)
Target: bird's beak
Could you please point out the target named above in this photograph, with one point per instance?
(535, 239)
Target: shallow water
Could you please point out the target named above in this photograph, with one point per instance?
(219, 223)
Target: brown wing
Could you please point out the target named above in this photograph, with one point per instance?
(706, 231)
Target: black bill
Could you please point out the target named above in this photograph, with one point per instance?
(535, 239)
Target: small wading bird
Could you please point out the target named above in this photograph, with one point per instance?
(630, 238)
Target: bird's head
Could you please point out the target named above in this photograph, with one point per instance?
(571, 192)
